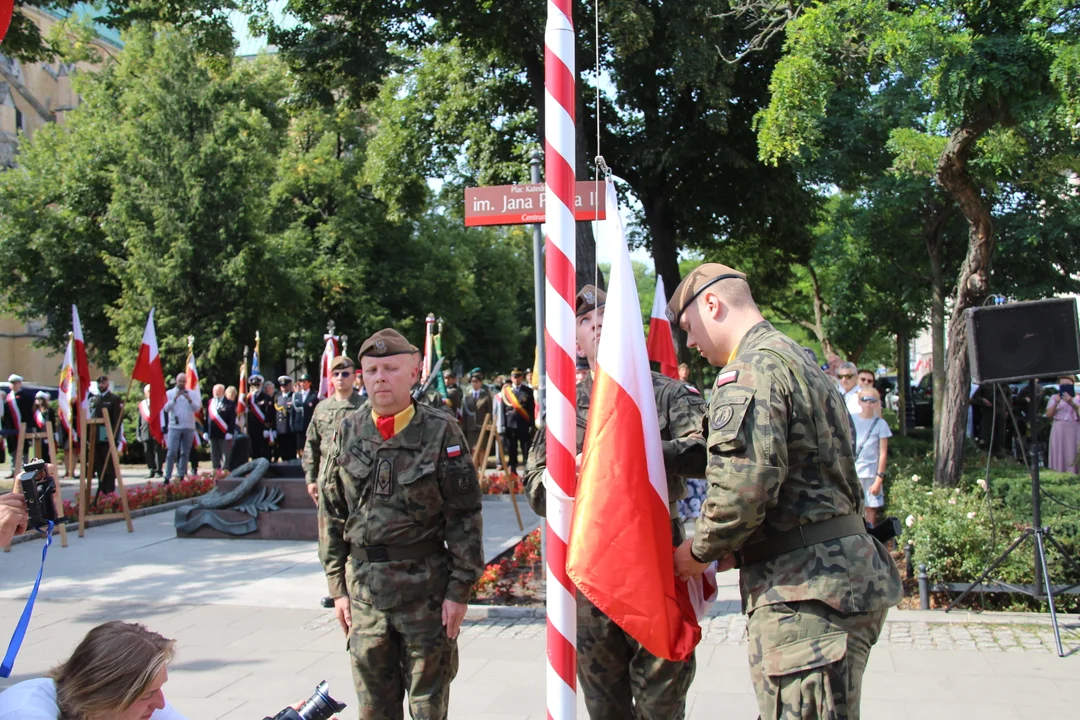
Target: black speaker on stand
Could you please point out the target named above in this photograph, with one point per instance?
(1026, 341)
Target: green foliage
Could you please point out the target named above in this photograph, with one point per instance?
(201, 187)
(957, 531)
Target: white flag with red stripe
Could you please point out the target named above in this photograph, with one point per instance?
(330, 351)
(621, 510)
(66, 387)
(82, 364)
(661, 347)
(148, 370)
(191, 374)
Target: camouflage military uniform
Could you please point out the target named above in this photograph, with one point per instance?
(401, 498)
(613, 669)
(325, 419)
(779, 458)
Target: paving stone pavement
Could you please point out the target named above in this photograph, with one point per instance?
(252, 639)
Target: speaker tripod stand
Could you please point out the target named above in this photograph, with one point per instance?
(1040, 535)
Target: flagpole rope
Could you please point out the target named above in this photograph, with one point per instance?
(560, 478)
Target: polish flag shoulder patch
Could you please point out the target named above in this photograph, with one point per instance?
(726, 378)
(453, 451)
(693, 389)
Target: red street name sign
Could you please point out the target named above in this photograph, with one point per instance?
(524, 204)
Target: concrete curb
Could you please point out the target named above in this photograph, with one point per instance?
(92, 522)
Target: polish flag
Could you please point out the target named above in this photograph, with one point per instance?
(148, 370)
(241, 397)
(82, 365)
(67, 381)
(660, 346)
(328, 355)
(192, 374)
(621, 510)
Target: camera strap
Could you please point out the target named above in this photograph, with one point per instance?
(24, 621)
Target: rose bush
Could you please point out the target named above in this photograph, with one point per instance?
(149, 495)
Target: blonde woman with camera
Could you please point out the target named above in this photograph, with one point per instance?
(115, 673)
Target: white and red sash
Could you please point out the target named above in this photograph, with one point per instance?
(39, 420)
(218, 420)
(13, 408)
(258, 411)
(144, 411)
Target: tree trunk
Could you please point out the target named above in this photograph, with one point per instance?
(971, 287)
(935, 242)
(902, 365)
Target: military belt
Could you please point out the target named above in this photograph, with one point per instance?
(389, 553)
(802, 536)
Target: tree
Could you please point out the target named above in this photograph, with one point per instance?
(675, 124)
(986, 70)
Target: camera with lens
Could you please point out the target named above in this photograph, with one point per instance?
(320, 706)
(39, 490)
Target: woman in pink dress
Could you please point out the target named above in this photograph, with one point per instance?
(1064, 410)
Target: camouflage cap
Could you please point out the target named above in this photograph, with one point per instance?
(590, 298)
(341, 361)
(385, 343)
(694, 284)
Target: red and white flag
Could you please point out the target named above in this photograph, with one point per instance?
(66, 387)
(121, 441)
(192, 374)
(82, 364)
(241, 397)
(621, 510)
(148, 370)
(328, 355)
(661, 347)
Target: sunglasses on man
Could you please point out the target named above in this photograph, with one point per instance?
(845, 377)
(342, 373)
(868, 399)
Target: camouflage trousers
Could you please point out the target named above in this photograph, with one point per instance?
(807, 660)
(622, 680)
(403, 649)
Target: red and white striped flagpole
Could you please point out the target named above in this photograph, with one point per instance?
(561, 475)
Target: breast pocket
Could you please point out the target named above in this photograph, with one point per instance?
(420, 490)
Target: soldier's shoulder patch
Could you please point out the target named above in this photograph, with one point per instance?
(691, 388)
(726, 378)
(453, 451)
(726, 411)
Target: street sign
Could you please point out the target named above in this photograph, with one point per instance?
(524, 204)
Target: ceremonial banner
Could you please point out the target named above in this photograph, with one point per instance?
(192, 375)
(66, 383)
(241, 396)
(661, 347)
(621, 510)
(330, 351)
(82, 364)
(7, 7)
(148, 370)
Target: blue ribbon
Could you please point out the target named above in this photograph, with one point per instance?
(24, 621)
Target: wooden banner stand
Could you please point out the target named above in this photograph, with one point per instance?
(38, 437)
(487, 437)
(87, 473)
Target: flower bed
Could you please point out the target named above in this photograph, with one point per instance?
(513, 579)
(955, 532)
(497, 484)
(149, 495)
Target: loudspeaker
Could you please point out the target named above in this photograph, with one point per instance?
(1024, 340)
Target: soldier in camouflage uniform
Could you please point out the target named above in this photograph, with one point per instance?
(325, 419)
(619, 678)
(784, 505)
(400, 507)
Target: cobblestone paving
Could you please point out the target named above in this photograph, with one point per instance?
(731, 630)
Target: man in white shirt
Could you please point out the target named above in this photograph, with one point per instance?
(847, 377)
(181, 406)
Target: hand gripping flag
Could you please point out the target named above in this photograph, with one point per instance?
(660, 346)
(148, 370)
(82, 364)
(621, 554)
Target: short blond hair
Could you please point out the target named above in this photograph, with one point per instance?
(111, 668)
